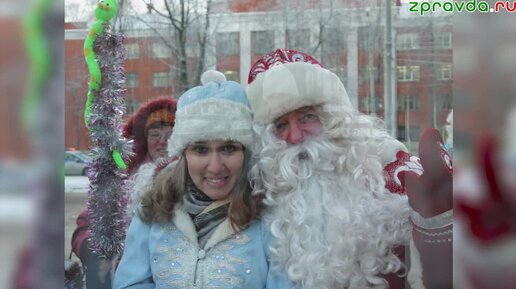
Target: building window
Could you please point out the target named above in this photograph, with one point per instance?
(408, 73)
(232, 75)
(407, 41)
(370, 104)
(444, 72)
(298, 39)
(408, 134)
(227, 44)
(132, 105)
(132, 80)
(161, 79)
(262, 42)
(132, 51)
(160, 50)
(408, 102)
(443, 40)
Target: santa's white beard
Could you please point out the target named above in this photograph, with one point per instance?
(330, 230)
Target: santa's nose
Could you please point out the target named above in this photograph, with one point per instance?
(295, 135)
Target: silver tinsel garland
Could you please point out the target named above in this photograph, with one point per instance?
(107, 201)
(74, 275)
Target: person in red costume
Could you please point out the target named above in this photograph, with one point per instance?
(485, 199)
(150, 128)
(430, 197)
(334, 184)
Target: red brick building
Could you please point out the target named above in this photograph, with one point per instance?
(243, 30)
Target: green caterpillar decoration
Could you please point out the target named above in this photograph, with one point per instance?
(105, 11)
(39, 55)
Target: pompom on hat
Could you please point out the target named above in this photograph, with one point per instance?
(216, 110)
(286, 80)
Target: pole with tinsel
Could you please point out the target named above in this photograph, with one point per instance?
(104, 54)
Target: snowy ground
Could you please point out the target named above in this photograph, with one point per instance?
(76, 188)
(76, 184)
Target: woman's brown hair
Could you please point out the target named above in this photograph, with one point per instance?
(159, 203)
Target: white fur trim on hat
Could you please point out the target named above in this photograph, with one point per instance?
(287, 87)
(211, 119)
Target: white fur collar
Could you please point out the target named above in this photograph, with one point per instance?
(222, 232)
(185, 224)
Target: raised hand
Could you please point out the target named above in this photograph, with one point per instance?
(430, 193)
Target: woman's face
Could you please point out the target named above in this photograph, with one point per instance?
(215, 166)
(157, 139)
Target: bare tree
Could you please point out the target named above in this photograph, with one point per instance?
(181, 25)
(300, 16)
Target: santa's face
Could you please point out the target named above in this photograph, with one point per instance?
(293, 127)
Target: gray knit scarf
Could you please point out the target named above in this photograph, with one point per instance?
(195, 201)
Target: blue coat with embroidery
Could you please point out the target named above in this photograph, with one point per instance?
(168, 256)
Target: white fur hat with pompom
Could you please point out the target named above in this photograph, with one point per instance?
(216, 110)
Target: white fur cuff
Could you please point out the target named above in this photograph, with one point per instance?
(436, 222)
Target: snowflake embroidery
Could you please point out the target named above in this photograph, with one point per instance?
(404, 162)
(297, 57)
(279, 57)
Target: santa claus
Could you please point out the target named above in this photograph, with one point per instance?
(333, 182)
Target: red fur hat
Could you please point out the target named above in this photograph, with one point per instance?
(136, 126)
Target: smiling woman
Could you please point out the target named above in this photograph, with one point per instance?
(197, 226)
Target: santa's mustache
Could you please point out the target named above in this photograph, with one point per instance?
(283, 166)
(312, 152)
